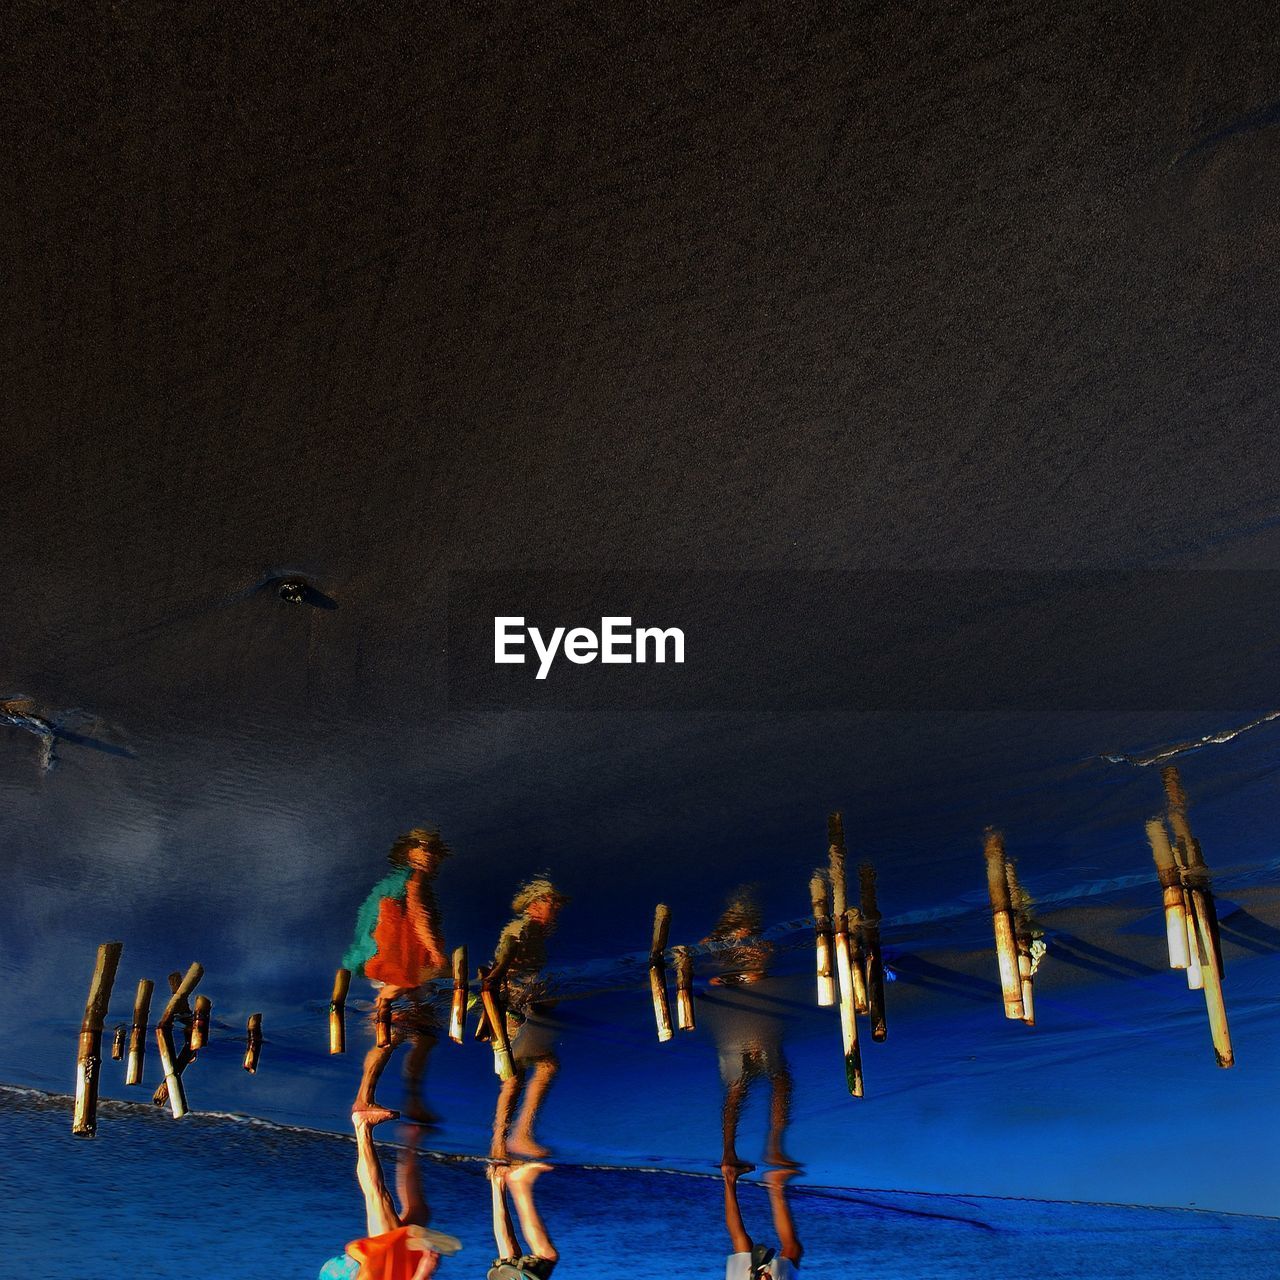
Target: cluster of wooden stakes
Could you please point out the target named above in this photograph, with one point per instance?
(850, 970)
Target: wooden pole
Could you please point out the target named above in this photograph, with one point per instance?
(253, 1043)
(173, 1089)
(117, 1043)
(1002, 922)
(1195, 971)
(1196, 875)
(844, 968)
(503, 1063)
(857, 959)
(658, 972)
(1020, 905)
(382, 1023)
(461, 991)
(822, 940)
(338, 1012)
(200, 1023)
(1175, 914)
(684, 988)
(84, 1118)
(874, 957)
(181, 992)
(138, 1032)
(1213, 1000)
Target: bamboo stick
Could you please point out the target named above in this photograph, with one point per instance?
(1195, 970)
(253, 1043)
(684, 988)
(84, 1118)
(1175, 915)
(200, 1023)
(338, 1012)
(658, 972)
(870, 932)
(117, 1043)
(844, 968)
(503, 1064)
(857, 959)
(1197, 873)
(173, 1088)
(822, 940)
(172, 1063)
(461, 990)
(1213, 1000)
(1025, 981)
(1002, 922)
(138, 1032)
(178, 1005)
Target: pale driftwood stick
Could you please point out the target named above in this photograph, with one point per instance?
(684, 988)
(253, 1043)
(178, 1009)
(200, 1023)
(1025, 979)
(874, 958)
(178, 1000)
(857, 960)
(174, 1092)
(461, 990)
(1195, 970)
(1213, 1000)
(844, 968)
(138, 1032)
(1175, 915)
(1002, 922)
(117, 1043)
(84, 1117)
(822, 940)
(1197, 873)
(658, 971)
(338, 1012)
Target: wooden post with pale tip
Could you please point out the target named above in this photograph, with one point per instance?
(658, 972)
(1175, 912)
(874, 960)
(458, 1002)
(1196, 873)
(1002, 922)
(1020, 905)
(503, 1063)
(822, 940)
(174, 1090)
(844, 968)
(84, 1118)
(1214, 1004)
(117, 1043)
(138, 1031)
(200, 1023)
(684, 988)
(338, 1012)
(253, 1043)
(857, 959)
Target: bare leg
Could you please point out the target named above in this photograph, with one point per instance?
(522, 1139)
(508, 1096)
(379, 1208)
(738, 1237)
(521, 1180)
(415, 1070)
(375, 1061)
(413, 1199)
(788, 1242)
(734, 1093)
(504, 1233)
(779, 1116)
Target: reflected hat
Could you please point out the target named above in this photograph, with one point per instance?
(424, 1238)
(418, 838)
(534, 891)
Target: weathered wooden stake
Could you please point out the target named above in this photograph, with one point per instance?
(338, 1012)
(138, 1032)
(503, 1064)
(382, 1024)
(1196, 874)
(178, 1000)
(874, 958)
(844, 968)
(200, 1023)
(253, 1043)
(1025, 981)
(1213, 1000)
(857, 959)
(822, 939)
(117, 1043)
(84, 1118)
(1002, 921)
(1195, 971)
(684, 988)
(1175, 914)
(461, 991)
(658, 972)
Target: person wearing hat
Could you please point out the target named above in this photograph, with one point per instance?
(399, 946)
(399, 1245)
(750, 1261)
(521, 956)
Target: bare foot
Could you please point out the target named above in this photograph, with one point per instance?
(733, 1169)
(527, 1172)
(778, 1177)
(779, 1158)
(372, 1114)
(523, 1144)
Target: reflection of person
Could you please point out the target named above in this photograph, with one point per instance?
(400, 1245)
(520, 957)
(747, 1028)
(399, 946)
(750, 1261)
(540, 1259)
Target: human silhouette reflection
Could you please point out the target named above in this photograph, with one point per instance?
(399, 946)
(744, 1017)
(400, 1245)
(540, 1255)
(747, 1259)
(520, 958)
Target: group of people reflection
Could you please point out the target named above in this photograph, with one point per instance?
(399, 948)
